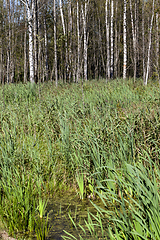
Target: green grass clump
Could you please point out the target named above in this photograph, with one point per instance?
(53, 138)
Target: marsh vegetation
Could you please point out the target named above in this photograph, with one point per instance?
(103, 144)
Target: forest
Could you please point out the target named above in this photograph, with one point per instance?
(73, 40)
(79, 120)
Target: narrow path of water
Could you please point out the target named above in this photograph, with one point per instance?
(59, 208)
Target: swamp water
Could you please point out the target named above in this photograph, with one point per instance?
(59, 210)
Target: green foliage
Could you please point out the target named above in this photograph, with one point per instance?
(53, 137)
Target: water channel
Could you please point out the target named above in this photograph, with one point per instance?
(59, 209)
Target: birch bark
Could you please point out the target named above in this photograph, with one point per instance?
(25, 49)
(78, 40)
(143, 46)
(112, 51)
(150, 43)
(157, 46)
(13, 43)
(30, 29)
(9, 43)
(70, 38)
(124, 40)
(45, 49)
(55, 43)
(35, 11)
(107, 40)
(84, 16)
(116, 44)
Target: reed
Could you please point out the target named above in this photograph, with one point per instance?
(107, 138)
(80, 181)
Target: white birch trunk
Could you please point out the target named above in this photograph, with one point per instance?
(13, 43)
(35, 11)
(70, 38)
(39, 54)
(25, 50)
(55, 43)
(9, 44)
(157, 46)
(78, 43)
(84, 16)
(116, 45)
(143, 46)
(112, 51)
(150, 43)
(124, 40)
(107, 40)
(62, 18)
(30, 29)
(45, 49)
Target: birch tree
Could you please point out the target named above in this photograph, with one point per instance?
(107, 41)
(112, 51)
(70, 37)
(124, 39)
(143, 46)
(149, 46)
(30, 29)
(157, 46)
(35, 23)
(84, 17)
(8, 36)
(82, 43)
(78, 43)
(25, 47)
(55, 43)
(116, 43)
(45, 48)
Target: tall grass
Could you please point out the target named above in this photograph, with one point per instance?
(93, 143)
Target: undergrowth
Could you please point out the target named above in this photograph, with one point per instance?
(97, 142)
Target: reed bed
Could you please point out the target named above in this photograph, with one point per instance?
(102, 141)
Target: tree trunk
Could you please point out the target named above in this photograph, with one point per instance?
(84, 16)
(35, 11)
(157, 46)
(64, 32)
(150, 43)
(100, 46)
(143, 46)
(30, 28)
(13, 43)
(55, 43)
(124, 40)
(116, 44)
(107, 39)
(78, 42)
(25, 50)
(70, 38)
(134, 38)
(45, 49)
(9, 43)
(112, 51)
